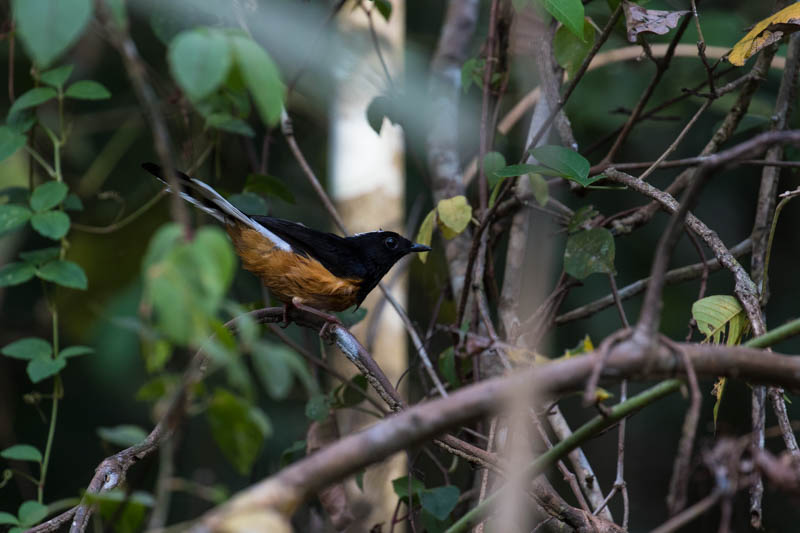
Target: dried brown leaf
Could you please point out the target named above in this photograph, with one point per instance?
(640, 20)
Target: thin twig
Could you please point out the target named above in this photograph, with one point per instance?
(674, 145)
(678, 275)
(679, 484)
(288, 132)
(693, 512)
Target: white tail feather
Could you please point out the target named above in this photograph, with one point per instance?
(228, 209)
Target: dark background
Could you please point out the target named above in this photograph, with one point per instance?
(101, 388)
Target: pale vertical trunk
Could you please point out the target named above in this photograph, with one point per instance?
(368, 184)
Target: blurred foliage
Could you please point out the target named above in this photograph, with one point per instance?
(103, 301)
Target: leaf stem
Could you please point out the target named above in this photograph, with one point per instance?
(57, 392)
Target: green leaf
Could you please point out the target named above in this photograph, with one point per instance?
(16, 273)
(48, 195)
(454, 215)
(185, 282)
(400, 486)
(57, 76)
(42, 368)
(64, 273)
(425, 235)
(87, 90)
(32, 98)
(13, 216)
(124, 435)
(447, 367)
(117, 9)
(567, 12)
(540, 189)
(229, 123)
(249, 203)
(31, 513)
(492, 162)
(238, 431)
(384, 7)
(28, 348)
(583, 215)
(261, 77)
(51, 224)
(75, 351)
(519, 170)
(22, 452)
(296, 451)
(570, 50)
(352, 395)
(318, 408)
(21, 122)
(588, 252)
(468, 72)
(268, 186)
(73, 202)
(41, 255)
(214, 255)
(351, 316)
(360, 480)
(48, 27)
(156, 388)
(568, 163)
(270, 362)
(10, 141)
(8, 519)
(440, 501)
(721, 319)
(199, 61)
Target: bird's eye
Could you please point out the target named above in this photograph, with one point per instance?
(390, 242)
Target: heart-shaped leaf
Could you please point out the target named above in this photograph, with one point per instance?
(48, 27)
(42, 368)
(199, 60)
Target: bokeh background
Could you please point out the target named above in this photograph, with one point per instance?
(110, 139)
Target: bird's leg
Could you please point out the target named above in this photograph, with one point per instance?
(285, 323)
(329, 318)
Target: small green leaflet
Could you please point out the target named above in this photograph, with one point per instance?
(567, 163)
(588, 252)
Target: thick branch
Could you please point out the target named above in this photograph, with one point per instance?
(288, 488)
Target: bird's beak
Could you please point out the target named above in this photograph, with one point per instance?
(420, 248)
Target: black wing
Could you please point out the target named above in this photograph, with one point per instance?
(337, 254)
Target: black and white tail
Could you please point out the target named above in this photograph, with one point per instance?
(205, 198)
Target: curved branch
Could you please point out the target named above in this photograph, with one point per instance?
(287, 489)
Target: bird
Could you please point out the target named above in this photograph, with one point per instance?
(313, 270)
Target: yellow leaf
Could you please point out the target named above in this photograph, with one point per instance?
(602, 395)
(426, 233)
(766, 32)
(454, 215)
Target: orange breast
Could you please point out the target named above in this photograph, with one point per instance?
(288, 275)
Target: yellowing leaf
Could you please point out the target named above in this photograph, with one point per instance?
(766, 32)
(602, 395)
(454, 215)
(722, 320)
(426, 234)
(719, 388)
